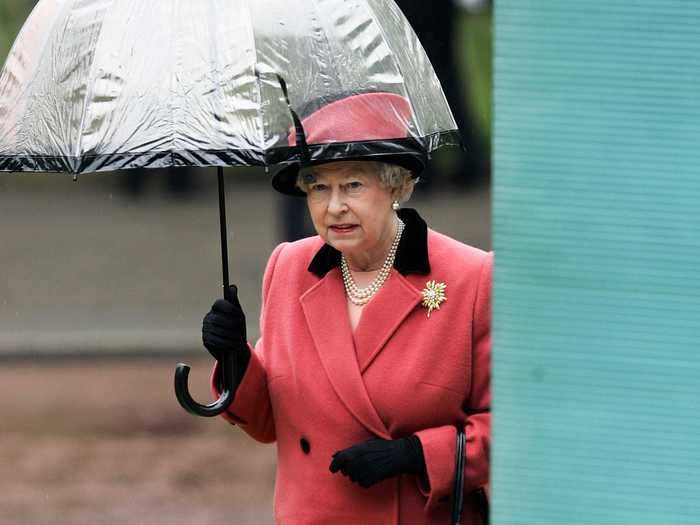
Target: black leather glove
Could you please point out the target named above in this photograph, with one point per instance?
(224, 331)
(379, 459)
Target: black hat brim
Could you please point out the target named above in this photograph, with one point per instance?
(284, 180)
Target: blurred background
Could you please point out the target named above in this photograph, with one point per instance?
(104, 285)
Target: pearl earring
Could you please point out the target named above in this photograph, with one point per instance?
(395, 206)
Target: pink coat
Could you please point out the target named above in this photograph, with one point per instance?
(315, 388)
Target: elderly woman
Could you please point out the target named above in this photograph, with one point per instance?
(374, 349)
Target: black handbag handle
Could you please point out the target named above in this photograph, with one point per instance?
(479, 495)
(458, 490)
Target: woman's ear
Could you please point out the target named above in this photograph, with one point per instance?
(397, 194)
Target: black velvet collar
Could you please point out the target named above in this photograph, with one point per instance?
(411, 255)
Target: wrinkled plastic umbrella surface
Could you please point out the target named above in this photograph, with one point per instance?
(98, 85)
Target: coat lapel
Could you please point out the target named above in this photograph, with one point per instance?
(325, 309)
(382, 316)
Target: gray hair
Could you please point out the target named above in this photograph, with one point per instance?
(397, 179)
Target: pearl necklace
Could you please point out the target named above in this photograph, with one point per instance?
(361, 296)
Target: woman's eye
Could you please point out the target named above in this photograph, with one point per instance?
(319, 187)
(354, 185)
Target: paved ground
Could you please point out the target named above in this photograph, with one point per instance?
(106, 443)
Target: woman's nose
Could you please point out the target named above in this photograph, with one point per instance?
(337, 202)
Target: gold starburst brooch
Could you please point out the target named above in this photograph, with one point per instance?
(434, 295)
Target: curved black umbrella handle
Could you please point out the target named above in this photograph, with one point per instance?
(182, 392)
(227, 364)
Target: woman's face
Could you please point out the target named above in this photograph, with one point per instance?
(351, 209)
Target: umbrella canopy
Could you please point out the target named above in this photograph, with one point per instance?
(99, 85)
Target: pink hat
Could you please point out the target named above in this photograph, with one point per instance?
(368, 126)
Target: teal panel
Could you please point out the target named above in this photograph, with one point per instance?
(597, 280)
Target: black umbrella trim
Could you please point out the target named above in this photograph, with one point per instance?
(244, 157)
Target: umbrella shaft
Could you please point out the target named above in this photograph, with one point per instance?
(224, 243)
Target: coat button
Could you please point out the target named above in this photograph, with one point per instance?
(305, 445)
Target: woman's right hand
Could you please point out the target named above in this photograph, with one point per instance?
(224, 330)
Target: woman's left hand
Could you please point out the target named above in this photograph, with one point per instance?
(378, 459)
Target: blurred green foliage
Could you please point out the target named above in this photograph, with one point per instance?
(13, 13)
(476, 43)
(475, 39)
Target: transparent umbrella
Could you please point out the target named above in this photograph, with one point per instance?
(104, 85)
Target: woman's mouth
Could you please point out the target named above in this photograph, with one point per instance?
(343, 228)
